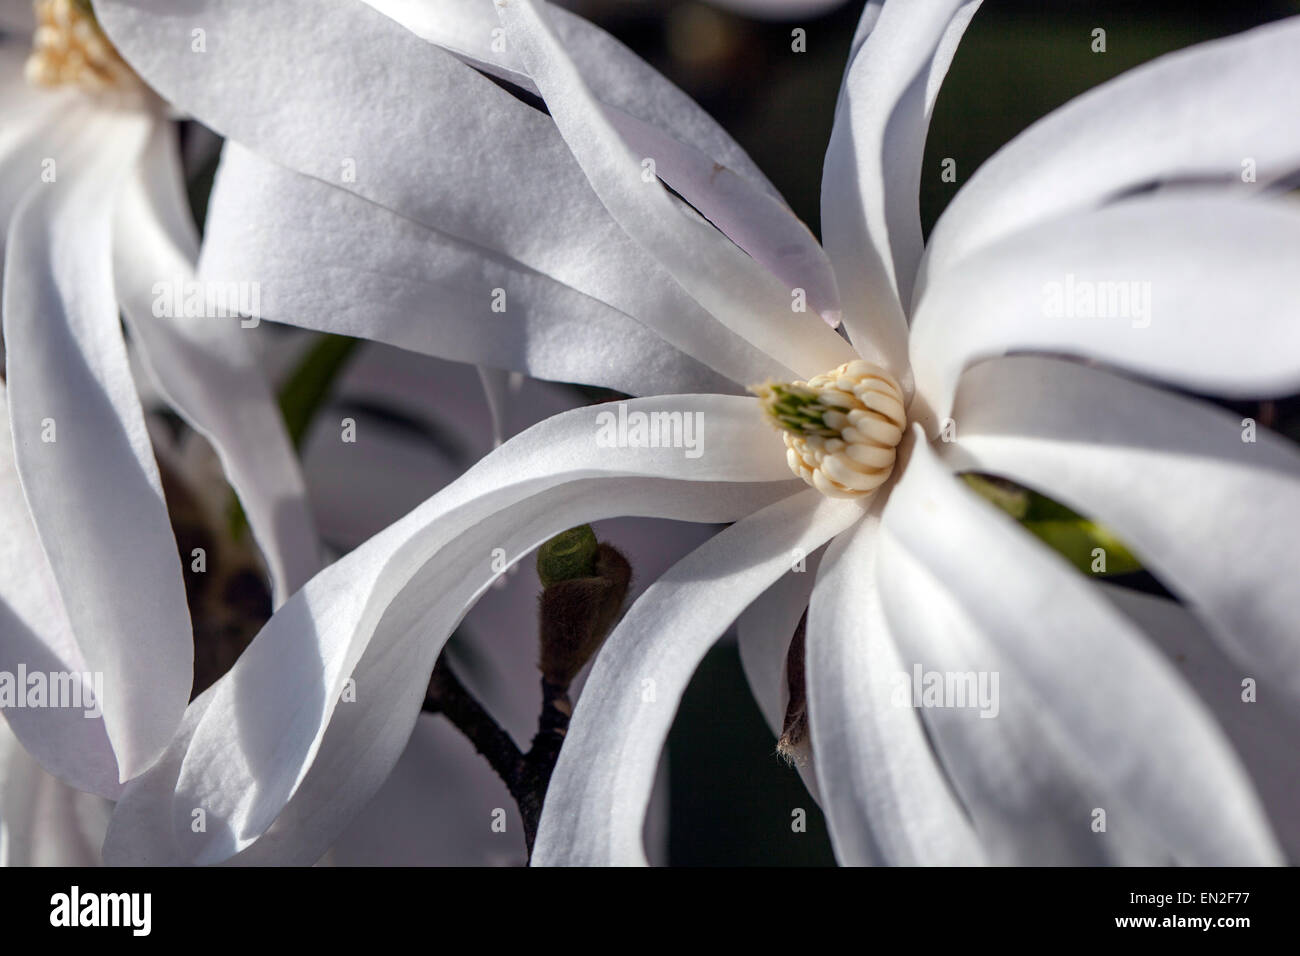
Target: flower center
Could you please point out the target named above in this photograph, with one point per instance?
(841, 429)
(69, 49)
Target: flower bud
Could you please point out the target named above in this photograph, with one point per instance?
(570, 554)
(577, 612)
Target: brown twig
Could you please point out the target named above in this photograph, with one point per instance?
(526, 775)
(585, 582)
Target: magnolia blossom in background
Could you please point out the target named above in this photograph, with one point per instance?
(95, 219)
(907, 565)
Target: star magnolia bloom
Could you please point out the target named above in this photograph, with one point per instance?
(919, 571)
(94, 212)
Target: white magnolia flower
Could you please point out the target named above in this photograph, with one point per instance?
(95, 218)
(1091, 716)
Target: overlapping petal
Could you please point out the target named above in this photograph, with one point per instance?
(276, 742)
(1031, 800)
(1208, 505)
(595, 805)
(1184, 289)
(883, 789)
(81, 449)
(871, 221)
(392, 97)
(36, 637)
(43, 821)
(204, 367)
(1139, 733)
(1209, 111)
(1262, 728)
(732, 287)
(763, 636)
(692, 153)
(330, 261)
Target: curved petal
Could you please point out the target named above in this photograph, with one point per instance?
(203, 366)
(471, 30)
(763, 635)
(330, 261)
(399, 124)
(1213, 515)
(1140, 734)
(275, 729)
(871, 219)
(596, 803)
(1030, 797)
(764, 630)
(764, 227)
(38, 124)
(1197, 291)
(262, 811)
(94, 489)
(692, 153)
(1197, 113)
(1262, 728)
(35, 637)
(883, 790)
(44, 822)
(732, 287)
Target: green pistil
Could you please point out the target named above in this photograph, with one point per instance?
(795, 408)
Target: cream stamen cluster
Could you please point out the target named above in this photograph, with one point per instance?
(841, 429)
(69, 49)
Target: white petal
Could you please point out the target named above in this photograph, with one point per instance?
(871, 220)
(94, 492)
(39, 125)
(1213, 516)
(732, 287)
(596, 803)
(763, 634)
(441, 790)
(692, 153)
(1263, 729)
(396, 135)
(35, 635)
(276, 730)
(1140, 733)
(1197, 291)
(1194, 114)
(44, 822)
(883, 790)
(623, 81)
(373, 274)
(764, 630)
(203, 366)
(1030, 797)
(763, 226)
